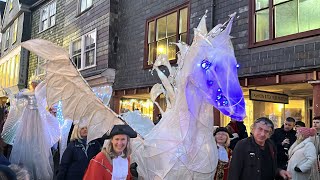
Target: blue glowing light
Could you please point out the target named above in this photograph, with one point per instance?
(221, 99)
(59, 114)
(205, 64)
(210, 83)
(225, 102)
(238, 65)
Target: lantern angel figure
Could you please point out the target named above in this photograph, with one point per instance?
(31, 130)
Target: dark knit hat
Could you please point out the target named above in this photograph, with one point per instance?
(300, 123)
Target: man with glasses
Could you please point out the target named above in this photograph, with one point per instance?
(255, 158)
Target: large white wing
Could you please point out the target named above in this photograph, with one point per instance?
(65, 83)
(13, 120)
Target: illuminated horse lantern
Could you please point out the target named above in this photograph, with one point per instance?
(181, 146)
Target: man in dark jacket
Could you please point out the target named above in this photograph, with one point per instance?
(283, 138)
(254, 158)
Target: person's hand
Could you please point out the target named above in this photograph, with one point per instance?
(297, 169)
(235, 135)
(133, 170)
(285, 174)
(285, 141)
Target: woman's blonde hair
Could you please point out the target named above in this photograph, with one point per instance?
(76, 133)
(228, 140)
(109, 151)
(227, 143)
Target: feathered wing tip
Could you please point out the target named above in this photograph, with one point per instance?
(45, 49)
(65, 84)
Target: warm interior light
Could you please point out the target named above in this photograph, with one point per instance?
(161, 50)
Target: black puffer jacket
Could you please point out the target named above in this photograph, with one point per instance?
(76, 158)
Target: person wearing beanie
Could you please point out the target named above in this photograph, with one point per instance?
(302, 154)
(222, 137)
(300, 124)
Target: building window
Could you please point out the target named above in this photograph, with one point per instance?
(48, 16)
(76, 53)
(15, 31)
(144, 106)
(9, 72)
(164, 30)
(85, 4)
(10, 5)
(6, 45)
(83, 51)
(281, 20)
(276, 112)
(40, 69)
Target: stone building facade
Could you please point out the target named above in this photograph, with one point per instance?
(281, 58)
(15, 29)
(47, 23)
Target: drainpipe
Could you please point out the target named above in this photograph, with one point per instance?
(213, 5)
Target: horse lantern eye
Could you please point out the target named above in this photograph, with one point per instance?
(205, 64)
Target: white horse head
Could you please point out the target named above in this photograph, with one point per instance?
(213, 71)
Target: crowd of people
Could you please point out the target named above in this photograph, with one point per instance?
(289, 152)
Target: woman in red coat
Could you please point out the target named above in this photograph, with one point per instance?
(113, 161)
(222, 137)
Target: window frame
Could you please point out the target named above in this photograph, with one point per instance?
(155, 18)
(48, 18)
(40, 62)
(7, 40)
(73, 55)
(10, 5)
(83, 50)
(15, 30)
(85, 9)
(272, 39)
